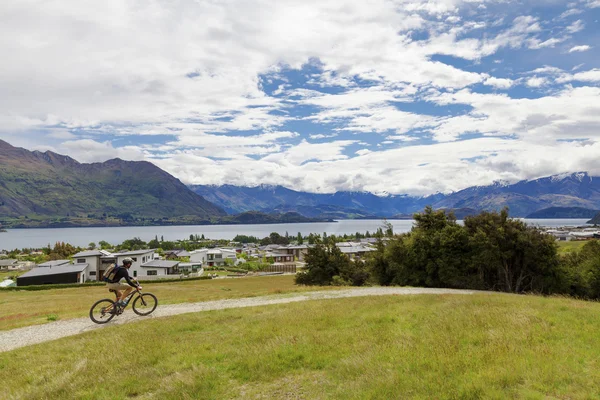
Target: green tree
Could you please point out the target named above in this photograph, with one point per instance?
(326, 264)
(299, 238)
(512, 257)
(92, 246)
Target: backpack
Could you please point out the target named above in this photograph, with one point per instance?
(110, 272)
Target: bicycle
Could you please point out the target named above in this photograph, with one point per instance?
(104, 310)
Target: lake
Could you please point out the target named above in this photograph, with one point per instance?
(35, 238)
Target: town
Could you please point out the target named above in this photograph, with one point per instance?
(231, 260)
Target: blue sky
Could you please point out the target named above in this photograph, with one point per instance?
(387, 96)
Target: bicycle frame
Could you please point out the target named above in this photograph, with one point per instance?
(129, 298)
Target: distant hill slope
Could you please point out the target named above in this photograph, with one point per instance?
(266, 198)
(564, 212)
(523, 198)
(36, 184)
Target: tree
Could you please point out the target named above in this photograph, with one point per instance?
(104, 244)
(92, 246)
(299, 238)
(326, 264)
(512, 257)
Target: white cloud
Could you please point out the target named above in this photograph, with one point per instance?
(576, 26)
(581, 48)
(536, 82)
(499, 83)
(87, 150)
(322, 136)
(570, 12)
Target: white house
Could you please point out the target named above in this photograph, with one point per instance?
(212, 257)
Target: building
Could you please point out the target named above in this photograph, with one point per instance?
(213, 257)
(144, 263)
(66, 273)
(354, 250)
(9, 265)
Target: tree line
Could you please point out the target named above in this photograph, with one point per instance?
(490, 251)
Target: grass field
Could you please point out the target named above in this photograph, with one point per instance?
(9, 274)
(424, 347)
(569, 247)
(23, 308)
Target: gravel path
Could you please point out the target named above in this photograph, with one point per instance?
(13, 339)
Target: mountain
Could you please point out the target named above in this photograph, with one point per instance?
(36, 185)
(255, 217)
(523, 198)
(235, 199)
(326, 211)
(564, 212)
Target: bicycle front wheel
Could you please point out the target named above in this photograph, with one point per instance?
(102, 311)
(144, 304)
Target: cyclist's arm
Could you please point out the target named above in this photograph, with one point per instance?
(130, 282)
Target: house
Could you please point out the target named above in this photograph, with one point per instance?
(282, 261)
(171, 254)
(354, 250)
(9, 265)
(191, 268)
(98, 260)
(213, 257)
(144, 263)
(299, 251)
(65, 273)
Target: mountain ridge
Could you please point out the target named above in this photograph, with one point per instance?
(524, 197)
(46, 184)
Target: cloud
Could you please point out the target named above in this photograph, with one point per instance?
(581, 48)
(576, 26)
(536, 82)
(499, 83)
(299, 93)
(87, 150)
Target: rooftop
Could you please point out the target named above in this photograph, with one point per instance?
(89, 253)
(6, 263)
(62, 269)
(160, 264)
(134, 252)
(55, 263)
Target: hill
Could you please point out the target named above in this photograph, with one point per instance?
(377, 347)
(49, 188)
(563, 212)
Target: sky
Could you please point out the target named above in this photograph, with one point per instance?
(386, 96)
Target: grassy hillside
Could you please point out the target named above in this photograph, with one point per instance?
(48, 185)
(444, 347)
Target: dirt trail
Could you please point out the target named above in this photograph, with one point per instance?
(16, 338)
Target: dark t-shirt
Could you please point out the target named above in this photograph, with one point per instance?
(123, 273)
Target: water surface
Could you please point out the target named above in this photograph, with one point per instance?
(35, 238)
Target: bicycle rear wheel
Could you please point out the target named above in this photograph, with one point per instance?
(102, 311)
(145, 304)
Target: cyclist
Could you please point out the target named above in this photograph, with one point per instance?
(123, 290)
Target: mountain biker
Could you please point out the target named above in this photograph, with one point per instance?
(122, 273)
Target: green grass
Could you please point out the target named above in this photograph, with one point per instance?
(569, 247)
(23, 308)
(417, 347)
(10, 274)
